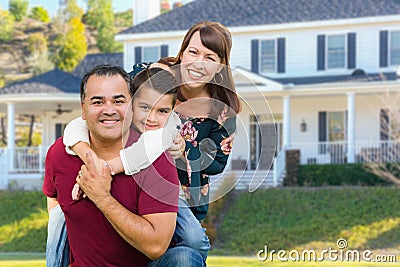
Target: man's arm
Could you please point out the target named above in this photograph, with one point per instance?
(151, 234)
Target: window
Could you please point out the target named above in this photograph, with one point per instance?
(332, 133)
(268, 56)
(336, 126)
(336, 51)
(389, 125)
(151, 53)
(395, 48)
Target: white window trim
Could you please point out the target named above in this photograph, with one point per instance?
(275, 55)
(390, 48)
(327, 52)
(152, 46)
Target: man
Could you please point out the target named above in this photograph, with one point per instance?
(119, 223)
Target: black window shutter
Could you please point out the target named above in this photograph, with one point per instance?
(59, 130)
(255, 57)
(322, 131)
(321, 52)
(384, 124)
(281, 55)
(164, 51)
(383, 49)
(138, 54)
(351, 51)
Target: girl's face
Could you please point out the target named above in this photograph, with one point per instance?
(151, 109)
(198, 64)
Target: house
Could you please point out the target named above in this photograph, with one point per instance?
(316, 76)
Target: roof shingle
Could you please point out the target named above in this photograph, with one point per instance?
(234, 13)
(54, 81)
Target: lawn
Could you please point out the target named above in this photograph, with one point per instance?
(287, 219)
(34, 260)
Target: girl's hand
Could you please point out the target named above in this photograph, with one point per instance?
(178, 148)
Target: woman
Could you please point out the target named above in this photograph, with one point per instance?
(207, 105)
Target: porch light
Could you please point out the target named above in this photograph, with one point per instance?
(303, 126)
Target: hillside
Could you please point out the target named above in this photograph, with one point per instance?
(14, 63)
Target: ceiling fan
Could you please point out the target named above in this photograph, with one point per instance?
(60, 111)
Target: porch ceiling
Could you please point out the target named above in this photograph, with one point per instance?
(39, 103)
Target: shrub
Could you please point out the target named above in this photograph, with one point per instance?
(7, 26)
(337, 174)
(39, 13)
(37, 43)
(18, 8)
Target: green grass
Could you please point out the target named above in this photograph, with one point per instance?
(298, 218)
(33, 260)
(282, 218)
(23, 221)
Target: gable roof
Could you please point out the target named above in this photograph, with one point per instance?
(92, 60)
(54, 81)
(234, 13)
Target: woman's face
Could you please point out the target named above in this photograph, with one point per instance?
(198, 64)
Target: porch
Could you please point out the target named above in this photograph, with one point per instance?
(24, 166)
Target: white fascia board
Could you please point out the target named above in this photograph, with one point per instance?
(148, 35)
(20, 98)
(316, 24)
(342, 88)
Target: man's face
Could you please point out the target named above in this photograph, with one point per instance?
(106, 108)
(151, 109)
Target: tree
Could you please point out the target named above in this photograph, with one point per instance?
(39, 57)
(7, 26)
(68, 10)
(40, 62)
(71, 38)
(37, 43)
(124, 18)
(384, 160)
(19, 9)
(73, 46)
(39, 13)
(100, 16)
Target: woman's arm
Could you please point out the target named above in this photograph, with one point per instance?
(222, 136)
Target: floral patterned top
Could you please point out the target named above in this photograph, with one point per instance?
(208, 145)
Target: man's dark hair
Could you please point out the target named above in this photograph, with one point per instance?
(105, 70)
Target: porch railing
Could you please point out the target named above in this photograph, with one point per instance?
(336, 152)
(28, 159)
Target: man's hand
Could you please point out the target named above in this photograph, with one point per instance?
(95, 183)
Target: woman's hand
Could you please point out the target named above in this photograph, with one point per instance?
(178, 148)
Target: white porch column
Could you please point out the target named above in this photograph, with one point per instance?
(351, 127)
(286, 121)
(10, 134)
